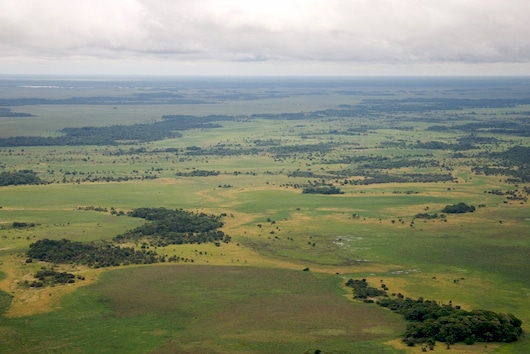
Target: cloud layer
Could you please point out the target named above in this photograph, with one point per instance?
(271, 32)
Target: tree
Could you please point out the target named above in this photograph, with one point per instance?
(458, 208)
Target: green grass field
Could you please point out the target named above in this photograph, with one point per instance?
(201, 309)
(251, 296)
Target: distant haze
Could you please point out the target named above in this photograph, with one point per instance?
(270, 37)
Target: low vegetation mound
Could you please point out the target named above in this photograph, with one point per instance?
(432, 321)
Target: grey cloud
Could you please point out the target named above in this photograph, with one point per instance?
(378, 31)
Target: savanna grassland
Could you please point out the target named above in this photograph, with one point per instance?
(313, 180)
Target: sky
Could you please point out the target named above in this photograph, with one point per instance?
(270, 37)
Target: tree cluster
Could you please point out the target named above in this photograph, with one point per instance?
(387, 163)
(175, 227)
(505, 127)
(95, 254)
(374, 177)
(459, 208)
(451, 324)
(322, 189)
(21, 177)
(197, 173)
(361, 290)
(428, 216)
(433, 321)
(439, 145)
(514, 162)
(22, 224)
(50, 277)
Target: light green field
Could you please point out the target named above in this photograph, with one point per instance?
(250, 296)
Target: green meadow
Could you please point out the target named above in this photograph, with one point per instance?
(388, 149)
(207, 309)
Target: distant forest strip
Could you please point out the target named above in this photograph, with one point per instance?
(386, 105)
(436, 103)
(7, 113)
(168, 127)
(374, 177)
(143, 98)
(509, 127)
(373, 105)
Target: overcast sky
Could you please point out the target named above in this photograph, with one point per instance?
(269, 37)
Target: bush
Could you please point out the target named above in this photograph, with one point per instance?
(459, 208)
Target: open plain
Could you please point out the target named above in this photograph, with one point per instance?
(340, 177)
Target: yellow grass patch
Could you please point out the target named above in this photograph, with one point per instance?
(26, 302)
(455, 348)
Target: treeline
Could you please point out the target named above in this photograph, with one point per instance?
(322, 189)
(112, 135)
(376, 178)
(432, 321)
(137, 99)
(383, 162)
(459, 208)
(197, 173)
(175, 227)
(428, 216)
(439, 145)
(508, 127)
(168, 127)
(436, 104)
(288, 150)
(94, 178)
(21, 224)
(94, 254)
(7, 113)
(377, 106)
(222, 150)
(361, 290)
(21, 177)
(451, 324)
(306, 174)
